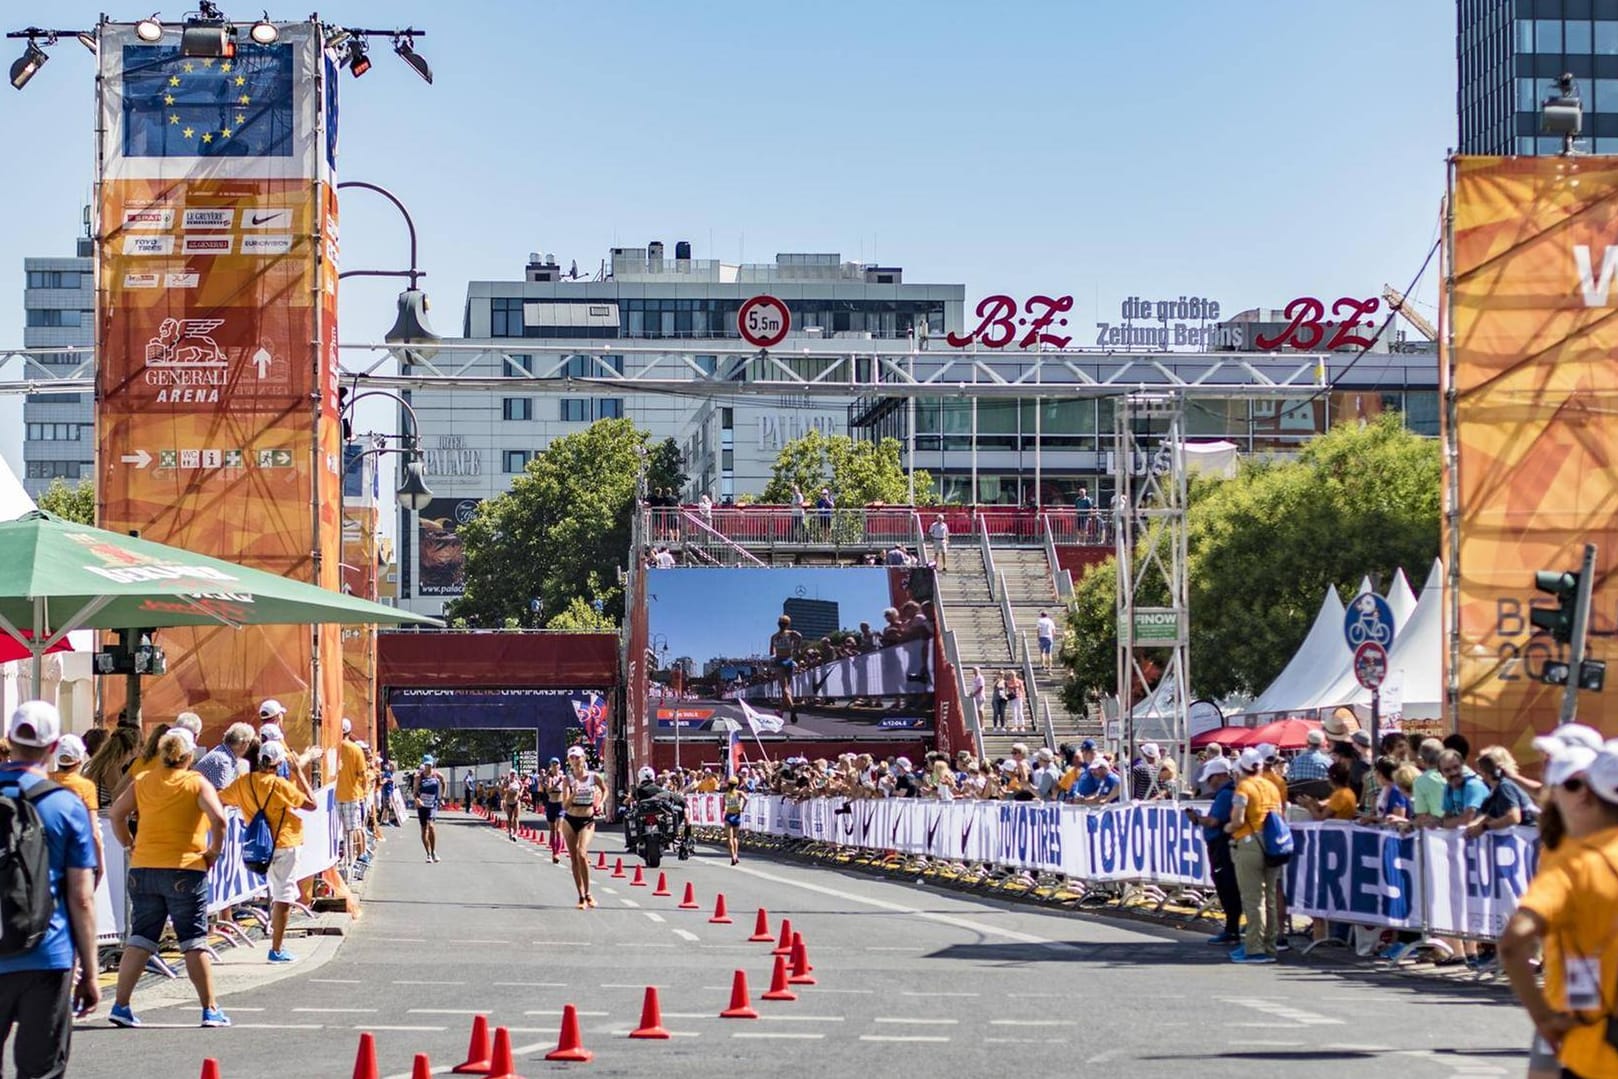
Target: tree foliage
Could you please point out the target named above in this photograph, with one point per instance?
(580, 615)
(1263, 547)
(76, 503)
(858, 472)
(665, 467)
(559, 534)
(457, 747)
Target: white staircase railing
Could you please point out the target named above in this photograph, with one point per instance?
(1063, 579)
(712, 538)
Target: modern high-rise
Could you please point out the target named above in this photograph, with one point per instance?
(1509, 53)
(59, 428)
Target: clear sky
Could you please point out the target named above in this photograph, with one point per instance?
(683, 605)
(1248, 152)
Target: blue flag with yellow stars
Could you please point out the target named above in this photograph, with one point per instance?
(187, 106)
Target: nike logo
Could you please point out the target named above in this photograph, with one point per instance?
(932, 829)
(259, 219)
(966, 832)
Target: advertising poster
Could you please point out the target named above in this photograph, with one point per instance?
(216, 333)
(559, 717)
(1532, 309)
(854, 659)
(441, 569)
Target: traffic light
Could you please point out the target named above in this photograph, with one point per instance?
(1558, 622)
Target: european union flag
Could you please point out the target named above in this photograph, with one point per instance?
(179, 106)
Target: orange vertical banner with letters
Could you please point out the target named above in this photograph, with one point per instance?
(1531, 473)
(216, 337)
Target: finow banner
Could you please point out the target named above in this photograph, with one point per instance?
(1531, 474)
(216, 340)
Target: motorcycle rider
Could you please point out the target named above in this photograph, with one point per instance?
(647, 789)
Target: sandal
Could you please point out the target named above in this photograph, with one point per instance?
(581, 902)
(590, 900)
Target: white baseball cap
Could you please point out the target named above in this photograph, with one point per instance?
(271, 732)
(35, 723)
(1250, 760)
(1268, 751)
(1216, 766)
(348, 725)
(1602, 774)
(1150, 750)
(271, 709)
(1566, 736)
(646, 775)
(70, 749)
(272, 753)
(575, 751)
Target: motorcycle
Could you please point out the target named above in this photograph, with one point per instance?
(652, 827)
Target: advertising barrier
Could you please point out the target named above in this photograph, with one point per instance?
(1436, 880)
(229, 881)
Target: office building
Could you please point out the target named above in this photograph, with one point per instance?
(814, 618)
(59, 428)
(1509, 54)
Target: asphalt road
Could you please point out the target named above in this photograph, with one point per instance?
(910, 980)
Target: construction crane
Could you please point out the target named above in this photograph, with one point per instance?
(1396, 302)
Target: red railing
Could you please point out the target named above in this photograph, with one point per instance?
(870, 528)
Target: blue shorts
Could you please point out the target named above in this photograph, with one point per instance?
(1045, 644)
(787, 665)
(159, 896)
(733, 820)
(426, 814)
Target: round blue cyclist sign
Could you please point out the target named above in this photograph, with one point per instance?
(1368, 618)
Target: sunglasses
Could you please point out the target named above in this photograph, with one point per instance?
(1574, 785)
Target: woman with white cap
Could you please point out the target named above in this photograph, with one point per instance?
(1255, 799)
(70, 757)
(582, 795)
(279, 800)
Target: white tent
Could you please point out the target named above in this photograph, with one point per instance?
(1401, 599)
(1417, 650)
(1297, 681)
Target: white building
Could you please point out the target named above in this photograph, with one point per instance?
(476, 441)
(59, 428)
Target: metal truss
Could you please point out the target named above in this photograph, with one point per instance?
(690, 368)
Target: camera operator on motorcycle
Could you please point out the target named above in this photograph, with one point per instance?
(649, 795)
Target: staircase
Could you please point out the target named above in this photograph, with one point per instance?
(972, 614)
(1031, 588)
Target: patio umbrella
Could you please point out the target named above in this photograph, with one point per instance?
(57, 576)
(11, 649)
(1285, 733)
(1225, 736)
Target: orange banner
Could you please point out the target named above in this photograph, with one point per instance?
(1535, 329)
(359, 642)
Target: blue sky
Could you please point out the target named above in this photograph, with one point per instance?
(1247, 152)
(682, 605)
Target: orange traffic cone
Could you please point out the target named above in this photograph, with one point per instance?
(689, 902)
(365, 1059)
(601, 859)
(570, 1046)
(618, 868)
(761, 929)
(477, 1050)
(651, 1017)
(210, 1068)
(721, 916)
(778, 982)
(800, 963)
(639, 880)
(785, 947)
(740, 1006)
(422, 1069)
(500, 1066)
(662, 885)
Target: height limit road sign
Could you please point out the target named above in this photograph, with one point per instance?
(763, 321)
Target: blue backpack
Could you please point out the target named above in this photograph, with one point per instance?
(1277, 839)
(258, 843)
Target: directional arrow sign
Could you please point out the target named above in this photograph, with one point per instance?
(262, 360)
(140, 459)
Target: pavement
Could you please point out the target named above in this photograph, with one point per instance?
(907, 978)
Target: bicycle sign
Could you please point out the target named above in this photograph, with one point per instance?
(1368, 618)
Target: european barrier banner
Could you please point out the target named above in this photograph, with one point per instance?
(1352, 873)
(1473, 884)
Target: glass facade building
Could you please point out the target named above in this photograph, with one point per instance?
(1509, 54)
(59, 312)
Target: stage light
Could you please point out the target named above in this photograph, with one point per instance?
(405, 46)
(265, 32)
(359, 60)
(88, 39)
(32, 59)
(149, 30)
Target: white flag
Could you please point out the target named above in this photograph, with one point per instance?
(760, 721)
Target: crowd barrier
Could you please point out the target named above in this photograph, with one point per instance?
(1434, 880)
(229, 881)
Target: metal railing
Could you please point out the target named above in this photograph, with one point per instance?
(1003, 594)
(1050, 725)
(1063, 579)
(862, 530)
(703, 539)
(987, 551)
(1032, 699)
(1079, 528)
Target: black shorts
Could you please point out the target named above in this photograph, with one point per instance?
(426, 814)
(579, 823)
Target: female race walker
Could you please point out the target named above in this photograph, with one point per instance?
(582, 794)
(735, 802)
(551, 787)
(511, 803)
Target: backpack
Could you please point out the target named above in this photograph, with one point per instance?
(26, 902)
(1276, 836)
(258, 843)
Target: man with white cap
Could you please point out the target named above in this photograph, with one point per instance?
(1107, 783)
(351, 766)
(39, 993)
(1217, 775)
(70, 758)
(1572, 901)
(1255, 799)
(1143, 772)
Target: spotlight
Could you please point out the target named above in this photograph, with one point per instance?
(149, 30)
(359, 61)
(405, 46)
(1563, 113)
(88, 39)
(265, 32)
(336, 37)
(207, 34)
(30, 61)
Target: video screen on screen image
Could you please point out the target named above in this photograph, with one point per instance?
(819, 652)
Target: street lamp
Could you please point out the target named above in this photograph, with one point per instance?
(413, 493)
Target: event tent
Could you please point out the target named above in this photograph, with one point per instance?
(1302, 673)
(1418, 648)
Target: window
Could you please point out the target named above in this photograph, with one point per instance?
(516, 460)
(1576, 36)
(591, 366)
(574, 410)
(1548, 36)
(52, 316)
(1606, 38)
(1527, 96)
(49, 470)
(519, 366)
(54, 432)
(517, 408)
(505, 316)
(54, 278)
(609, 408)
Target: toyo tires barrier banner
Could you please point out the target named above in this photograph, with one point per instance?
(1437, 880)
(229, 881)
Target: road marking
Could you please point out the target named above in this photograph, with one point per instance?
(558, 1011)
(562, 943)
(818, 989)
(804, 1018)
(404, 1030)
(931, 994)
(1024, 1041)
(531, 985)
(653, 915)
(516, 1051)
(275, 1026)
(777, 1034)
(427, 983)
(476, 941)
(1034, 996)
(448, 1011)
(916, 1020)
(688, 1015)
(624, 985)
(902, 1038)
(337, 981)
(1031, 1023)
(631, 903)
(686, 934)
(1283, 1011)
(338, 1011)
(609, 891)
(401, 940)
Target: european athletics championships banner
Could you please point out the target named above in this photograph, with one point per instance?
(1533, 465)
(216, 340)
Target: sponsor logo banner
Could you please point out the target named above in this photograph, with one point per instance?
(1473, 884)
(208, 218)
(255, 218)
(1352, 873)
(141, 280)
(148, 245)
(149, 219)
(266, 245)
(208, 245)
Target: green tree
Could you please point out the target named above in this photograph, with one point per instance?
(76, 503)
(580, 615)
(456, 747)
(558, 535)
(858, 472)
(665, 467)
(1262, 547)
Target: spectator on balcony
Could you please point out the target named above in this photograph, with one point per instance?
(705, 509)
(800, 510)
(938, 535)
(823, 510)
(1084, 512)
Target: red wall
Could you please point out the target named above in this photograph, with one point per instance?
(491, 658)
(1076, 560)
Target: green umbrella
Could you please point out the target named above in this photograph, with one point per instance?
(57, 576)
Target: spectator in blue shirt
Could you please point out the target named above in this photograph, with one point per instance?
(1216, 774)
(1312, 763)
(1106, 783)
(39, 993)
(1464, 792)
(218, 765)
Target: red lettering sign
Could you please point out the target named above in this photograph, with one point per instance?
(1308, 330)
(999, 323)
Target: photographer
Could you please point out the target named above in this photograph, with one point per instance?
(1216, 774)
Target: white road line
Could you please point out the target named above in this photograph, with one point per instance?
(931, 994)
(531, 985)
(337, 981)
(631, 903)
(624, 1033)
(777, 1034)
(338, 1011)
(476, 941)
(804, 1018)
(624, 985)
(686, 934)
(689, 1015)
(404, 1029)
(917, 1020)
(274, 1026)
(817, 990)
(609, 891)
(562, 943)
(448, 1011)
(653, 915)
(902, 1038)
(1024, 1041)
(1031, 1023)
(558, 1011)
(427, 983)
